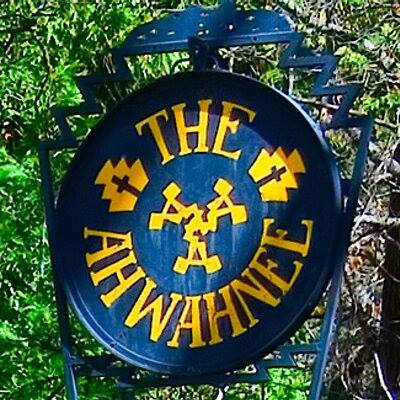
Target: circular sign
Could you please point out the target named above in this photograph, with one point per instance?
(196, 224)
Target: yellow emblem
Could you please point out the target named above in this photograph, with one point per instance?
(275, 173)
(198, 222)
(122, 184)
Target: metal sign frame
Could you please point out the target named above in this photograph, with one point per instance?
(201, 32)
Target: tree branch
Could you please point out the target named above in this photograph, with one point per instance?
(318, 103)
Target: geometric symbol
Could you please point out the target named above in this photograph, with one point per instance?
(275, 173)
(197, 223)
(122, 184)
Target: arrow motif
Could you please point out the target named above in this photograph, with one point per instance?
(197, 223)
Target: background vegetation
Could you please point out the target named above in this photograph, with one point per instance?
(44, 44)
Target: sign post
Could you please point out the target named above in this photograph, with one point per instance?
(204, 214)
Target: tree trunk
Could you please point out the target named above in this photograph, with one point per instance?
(389, 341)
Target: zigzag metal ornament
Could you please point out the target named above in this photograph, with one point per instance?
(202, 32)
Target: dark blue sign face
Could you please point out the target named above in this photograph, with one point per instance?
(196, 223)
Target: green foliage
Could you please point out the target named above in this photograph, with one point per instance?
(30, 356)
(44, 45)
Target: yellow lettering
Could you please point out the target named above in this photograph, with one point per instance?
(111, 244)
(201, 129)
(192, 308)
(155, 129)
(279, 239)
(156, 307)
(255, 290)
(214, 315)
(123, 285)
(267, 270)
(227, 125)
